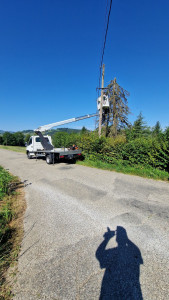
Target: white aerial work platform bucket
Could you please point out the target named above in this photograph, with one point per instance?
(105, 102)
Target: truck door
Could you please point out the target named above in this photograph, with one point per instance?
(30, 144)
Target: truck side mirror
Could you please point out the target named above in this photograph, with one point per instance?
(26, 144)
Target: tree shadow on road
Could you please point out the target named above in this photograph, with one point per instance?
(122, 264)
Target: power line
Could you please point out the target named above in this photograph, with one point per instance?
(104, 45)
(105, 23)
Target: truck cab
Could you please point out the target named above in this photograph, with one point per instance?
(34, 145)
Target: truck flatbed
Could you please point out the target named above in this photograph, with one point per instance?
(55, 154)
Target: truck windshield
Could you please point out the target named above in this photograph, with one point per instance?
(30, 141)
(37, 139)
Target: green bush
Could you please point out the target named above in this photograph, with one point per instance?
(138, 151)
(146, 151)
(149, 151)
(5, 206)
(5, 179)
(64, 139)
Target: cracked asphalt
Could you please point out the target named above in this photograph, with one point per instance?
(67, 251)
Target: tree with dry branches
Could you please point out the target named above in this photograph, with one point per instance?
(116, 117)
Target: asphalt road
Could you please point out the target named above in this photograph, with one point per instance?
(69, 207)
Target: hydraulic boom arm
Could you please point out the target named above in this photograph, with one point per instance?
(49, 126)
(39, 130)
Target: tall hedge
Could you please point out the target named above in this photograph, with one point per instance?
(146, 151)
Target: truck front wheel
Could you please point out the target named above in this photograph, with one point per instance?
(29, 155)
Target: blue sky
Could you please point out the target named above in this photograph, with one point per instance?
(50, 52)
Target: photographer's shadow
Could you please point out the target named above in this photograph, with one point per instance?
(122, 264)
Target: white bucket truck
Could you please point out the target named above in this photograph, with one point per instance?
(41, 146)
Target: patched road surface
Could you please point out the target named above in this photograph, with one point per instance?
(68, 252)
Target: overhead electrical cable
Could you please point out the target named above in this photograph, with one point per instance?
(105, 38)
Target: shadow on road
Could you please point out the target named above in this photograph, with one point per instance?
(122, 264)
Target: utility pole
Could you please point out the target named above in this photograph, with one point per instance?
(101, 103)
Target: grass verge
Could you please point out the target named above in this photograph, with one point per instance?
(12, 206)
(132, 170)
(14, 148)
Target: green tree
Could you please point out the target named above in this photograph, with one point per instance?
(140, 127)
(60, 139)
(84, 130)
(27, 137)
(9, 139)
(157, 131)
(166, 134)
(117, 116)
(157, 128)
(64, 139)
(19, 137)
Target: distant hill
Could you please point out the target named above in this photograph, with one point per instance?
(52, 131)
(30, 131)
(27, 131)
(68, 130)
(3, 131)
(48, 132)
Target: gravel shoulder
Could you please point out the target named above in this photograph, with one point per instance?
(69, 207)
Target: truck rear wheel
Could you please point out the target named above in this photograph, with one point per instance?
(49, 159)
